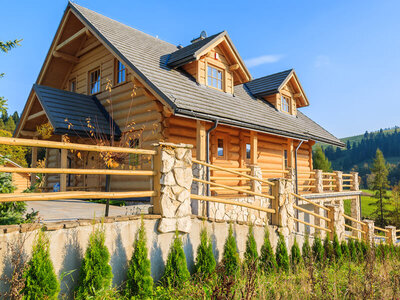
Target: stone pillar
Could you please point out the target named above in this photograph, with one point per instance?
(356, 214)
(198, 188)
(337, 221)
(175, 186)
(391, 235)
(339, 181)
(355, 182)
(255, 184)
(369, 229)
(283, 204)
(319, 184)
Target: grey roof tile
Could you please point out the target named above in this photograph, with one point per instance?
(268, 85)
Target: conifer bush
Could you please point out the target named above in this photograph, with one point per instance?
(251, 254)
(205, 260)
(267, 256)
(337, 250)
(318, 250)
(359, 251)
(139, 282)
(306, 249)
(40, 278)
(352, 249)
(230, 258)
(328, 249)
(176, 271)
(345, 250)
(96, 274)
(282, 257)
(295, 257)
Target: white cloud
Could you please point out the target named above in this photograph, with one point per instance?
(322, 61)
(261, 60)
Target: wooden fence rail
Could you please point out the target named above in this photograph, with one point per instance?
(78, 171)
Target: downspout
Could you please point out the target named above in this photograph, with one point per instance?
(208, 161)
(297, 182)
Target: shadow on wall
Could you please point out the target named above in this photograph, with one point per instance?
(157, 262)
(119, 260)
(188, 249)
(70, 268)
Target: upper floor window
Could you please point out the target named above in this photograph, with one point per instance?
(94, 81)
(72, 85)
(214, 77)
(285, 156)
(248, 151)
(285, 104)
(121, 72)
(221, 148)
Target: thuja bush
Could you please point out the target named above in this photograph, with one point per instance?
(352, 249)
(40, 279)
(337, 250)
(230, 258)
(95, 274)
(251, 254)
(295, 255)
(139, 282)
(205, 260)
(359, 251)
(345, 250)
(306, 249)
(318, 250)
(267, 256)
(176, 271)
(328, 249)
(282, 258)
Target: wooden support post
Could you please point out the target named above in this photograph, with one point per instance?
(64, 165)
(200, 141)
(156, 200)
(253, 147)
(34, 163)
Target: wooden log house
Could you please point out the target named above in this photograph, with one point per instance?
(109, 75)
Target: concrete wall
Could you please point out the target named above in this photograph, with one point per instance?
(68, 244)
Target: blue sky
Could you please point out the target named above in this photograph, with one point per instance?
(346, 53)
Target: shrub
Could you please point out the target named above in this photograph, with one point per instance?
(40, 279)
(205, 260)
(318, 249)
(306, 249)
(359, 251)
(328, 249)
(295, 256)
(139, 282)
(230, 258)
(282, 258)
(352, 249)
(95, 274)
(251, 254)
(267, 257)
(345, 250)
(337, 250)
(176, 271)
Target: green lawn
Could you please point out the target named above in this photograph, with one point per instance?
(366, 208)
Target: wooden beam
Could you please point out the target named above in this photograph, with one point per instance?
(63, 177)
(33, 163)
(36, 115)
(88, 48)
(29, 133)
(72, 38)
(78, 171)
(234, 67)
(200, 140)
(67, 57)
(253, 147)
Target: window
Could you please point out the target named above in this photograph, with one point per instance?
(134, 158)
(248, 151)
(94, 82)
(286, 158)
(285, 104)
(214, 78)
(72, 85)
(220, 148)
(121, 72)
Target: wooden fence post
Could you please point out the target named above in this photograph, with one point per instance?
(155, 201)
(64, 165)
(391, 235)
(34, 162)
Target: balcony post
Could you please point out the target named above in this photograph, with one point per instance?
(355, 182)
(339, 181)
(391, 235)
(319, 184)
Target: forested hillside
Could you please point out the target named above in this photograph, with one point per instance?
(361, 150)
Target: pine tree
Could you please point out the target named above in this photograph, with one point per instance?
(205, 260)
(320, 162)
(345, 250)
(380, 184)
(40, 278)
(176, 271)
(328, 249)
(306, 249)
(96, 274)
(295, 257)
(282, 257)
(318, 250)
(251, 254)
(267, 257)
(139, 282)
(10, 125)
(337, 250)
(230, 257)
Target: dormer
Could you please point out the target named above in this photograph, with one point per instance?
(282, 90)
(212, 61)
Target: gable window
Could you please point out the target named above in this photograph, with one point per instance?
(72, 85)
(285, 104)
(214, 77)
(248, 151)
(94, 81)
(121, 72)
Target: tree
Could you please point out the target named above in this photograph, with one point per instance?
(328, 249)
(380, 184)
(352, 249)
(282, 257)
(345, 250)
(10, 125)
(139, 282)
(230, 258)
(320, 162)
(337, 250)
(40, 278)
(205, 260)
(394, 213)
(295, 257)
(15, 153)
(251, 254)
(176, 271)
(306, 249)
(96, 274)
(267, 257)
(318, 250)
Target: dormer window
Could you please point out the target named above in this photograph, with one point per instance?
(285, 104)
(214, 77)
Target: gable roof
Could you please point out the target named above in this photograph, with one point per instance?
(70, 112)
(268, 85)
(147, 58)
